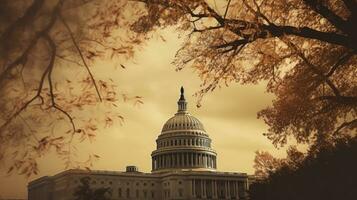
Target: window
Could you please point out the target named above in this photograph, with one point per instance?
(180, 192)
(179, 182)
(137, 193)
(145, 194)
(152, 194)
(128, 193)
(119, 192)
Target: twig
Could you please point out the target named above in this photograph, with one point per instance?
(81, 55)
(49, 76)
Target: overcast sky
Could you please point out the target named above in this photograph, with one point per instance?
(228, 114)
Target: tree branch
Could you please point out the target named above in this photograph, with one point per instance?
(329, 37)
(351, 5)
(336, 20)
(29, 15)
(80, 54)
(49, 76)
(343, 59)
(345, 100)
(313, 68)
(26, 104)
(226, 11)
(31, 45)
(344, 125)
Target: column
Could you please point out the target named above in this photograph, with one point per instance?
(204, 160)
(170, 160)
(191, 159)
(158, 162)
(193, 188)
(200, 159)
(207, 161)
(166, 161)
(173, 164)
(228, 189)
(214, 186)
(197, 159)
(225, 189)
(211, 161)
(194, 159)
(215, 189)
(204, 189)
(179, 157)
(237, 190)
(201, 181)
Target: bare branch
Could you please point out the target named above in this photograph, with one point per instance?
(81, 55)
(234, 43)
(26, 104)
(336, 20)
(49, 76)
(226, 11)
(31, 45)
(345, 125)
(343, 59)
(28, 16)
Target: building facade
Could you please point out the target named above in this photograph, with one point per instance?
(184, 167)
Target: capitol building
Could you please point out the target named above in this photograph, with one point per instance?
(184, 167)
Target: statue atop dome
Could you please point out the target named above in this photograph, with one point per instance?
(182, 104)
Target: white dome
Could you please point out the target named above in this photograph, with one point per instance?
(182, 121)
(183, 144)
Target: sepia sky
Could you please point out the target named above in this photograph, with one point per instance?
(228, 114)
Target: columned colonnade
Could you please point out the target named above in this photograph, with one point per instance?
(216, 189)
(184, 159)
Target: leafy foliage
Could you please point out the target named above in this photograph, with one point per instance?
(85, 192)
(47, 84)
(305, 50)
